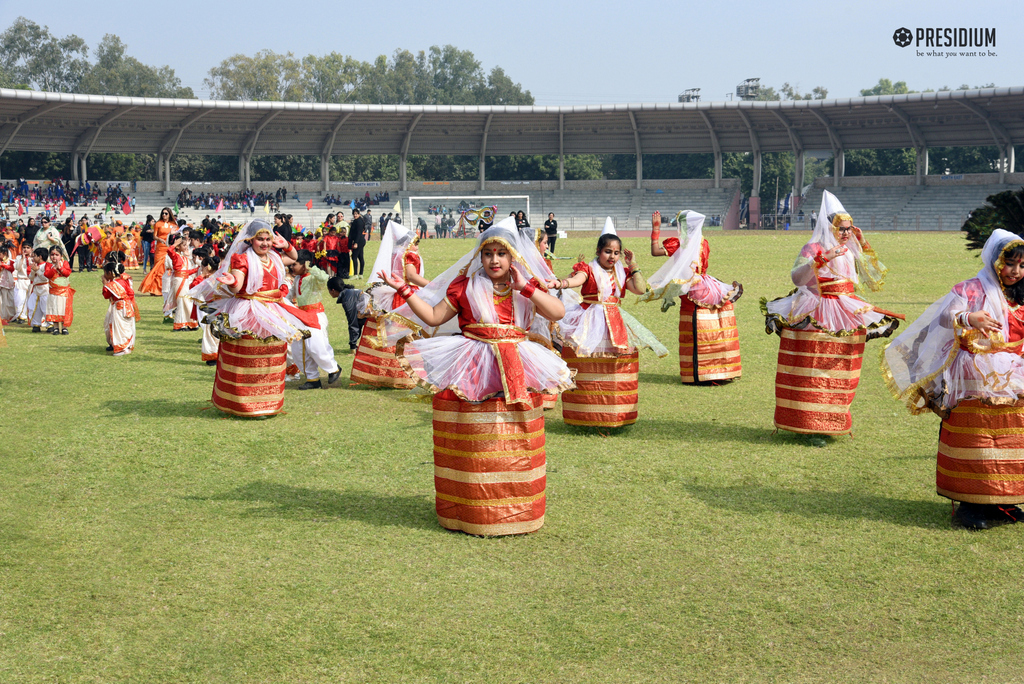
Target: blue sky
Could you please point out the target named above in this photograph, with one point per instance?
(569, 53)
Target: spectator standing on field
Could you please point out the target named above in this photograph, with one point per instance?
(551, 228)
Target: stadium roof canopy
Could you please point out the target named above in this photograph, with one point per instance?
(82, 124)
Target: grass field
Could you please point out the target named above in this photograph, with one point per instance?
(145, 538)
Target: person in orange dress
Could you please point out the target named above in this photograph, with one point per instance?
(153, 283)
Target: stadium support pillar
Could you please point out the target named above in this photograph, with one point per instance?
(85, 170)
(401, 173)
(160, 167)
(167, 173)
(561, 152)
(1011, 161)
(639, 171)
(838, 167)
(718, 169)
(483, 174)
(922, 164)
(325, 172)
(798, 181)
(755, 190)
(243, 171)
(74, 166)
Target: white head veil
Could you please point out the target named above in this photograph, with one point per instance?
(913, 362)
(385, 255)
(605, 287)
(524, 255)
(825, 234)
(683, 267)
(211, 287)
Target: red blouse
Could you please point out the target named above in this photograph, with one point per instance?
(457, 298)
(672, 244)
(239, 262)
(589, 289)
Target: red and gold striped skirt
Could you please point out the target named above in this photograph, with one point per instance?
(378, 367)
(816, 381)
(489, 465)
(250, 377)
(709, 343)
(981, 454)
(606, 393)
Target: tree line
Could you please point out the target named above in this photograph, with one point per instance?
(32, 57)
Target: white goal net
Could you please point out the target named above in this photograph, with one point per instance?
(459, 214)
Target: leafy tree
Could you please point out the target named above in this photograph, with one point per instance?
(332, 78)
(32, 56)
(117, 74)
(887, 87)
(266, 75)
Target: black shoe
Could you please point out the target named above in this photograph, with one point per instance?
(65, 331)
(333, 377)
(971, 517)
(1008, 513)
(36, 328)
(309, 384)
(54, 331)
(212, 362)
(110, 348)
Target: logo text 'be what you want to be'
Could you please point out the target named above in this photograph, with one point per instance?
(967, 41)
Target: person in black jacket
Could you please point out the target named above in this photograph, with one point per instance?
(551, 228)
(356, 242)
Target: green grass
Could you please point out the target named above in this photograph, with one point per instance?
(145, 538)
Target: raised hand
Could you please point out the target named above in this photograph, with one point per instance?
(983, 321)
(518, 281)
(279, 242)
(655, 221)
(391, 280)
(628, 255)
(228, 279)
(836, 251)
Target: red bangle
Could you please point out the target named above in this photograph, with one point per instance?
(405, 292)
(820, 261)
(528, 290)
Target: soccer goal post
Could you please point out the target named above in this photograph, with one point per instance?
(421, 207)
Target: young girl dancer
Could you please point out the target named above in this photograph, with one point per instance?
(962, 360)
(60, 310)
(600, 341)
(709, 341)
(823, 325)
(253, 321)
(489, 464)
(375, 362)
(120, 319)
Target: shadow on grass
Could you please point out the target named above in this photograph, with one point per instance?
(165, 408)
(674, 429)
(849, 504)
(286, 501)
(91, 349)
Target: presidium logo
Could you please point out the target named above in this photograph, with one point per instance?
(970, 38)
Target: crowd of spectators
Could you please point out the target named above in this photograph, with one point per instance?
(360, 203)
(57, 190)
(246, 199)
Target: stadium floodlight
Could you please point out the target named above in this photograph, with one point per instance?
(749, 89)
(690, 95)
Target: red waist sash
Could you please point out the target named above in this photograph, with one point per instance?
(831, 289)
(504, 340)
(613, 318)
(275, 297)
